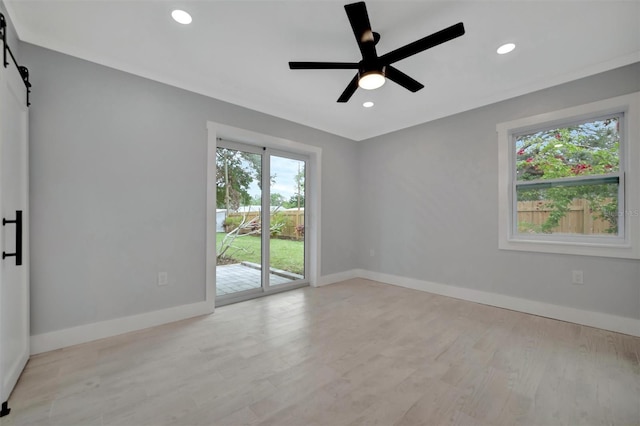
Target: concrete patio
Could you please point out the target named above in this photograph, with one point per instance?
(241, 277)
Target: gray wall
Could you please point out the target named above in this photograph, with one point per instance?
(430, 193)
(118, 190)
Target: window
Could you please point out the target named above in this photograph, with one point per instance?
(569, 180)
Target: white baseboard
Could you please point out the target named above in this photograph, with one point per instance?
(99, 330)
(86, 333)
(337, 277)
(610, 322)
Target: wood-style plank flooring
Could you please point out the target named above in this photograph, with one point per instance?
(353, 353)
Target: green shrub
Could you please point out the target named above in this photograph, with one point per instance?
(233, 221)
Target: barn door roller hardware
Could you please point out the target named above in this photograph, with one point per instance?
(24, 72)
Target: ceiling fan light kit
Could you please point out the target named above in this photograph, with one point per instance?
(371, 80)
(373, 70)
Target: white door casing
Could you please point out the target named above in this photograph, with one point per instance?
(14, 186)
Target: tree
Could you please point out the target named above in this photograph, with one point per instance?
(256, 164)
(590, 148)
(234, 174)
(277, 199)
(297, 199)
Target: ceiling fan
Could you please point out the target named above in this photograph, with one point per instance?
(374, 69)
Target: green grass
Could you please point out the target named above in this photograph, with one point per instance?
(287, 255)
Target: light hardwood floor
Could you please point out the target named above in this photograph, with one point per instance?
(353, 353)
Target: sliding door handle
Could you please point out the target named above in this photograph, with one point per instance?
(18, 253)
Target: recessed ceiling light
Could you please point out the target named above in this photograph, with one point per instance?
(367, 104)
(505, 48)
(181, 16)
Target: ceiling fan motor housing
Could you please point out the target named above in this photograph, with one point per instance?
(369, 67)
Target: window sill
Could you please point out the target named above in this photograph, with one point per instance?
(622, 250)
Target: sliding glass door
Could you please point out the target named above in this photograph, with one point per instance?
(286, 239)
(260, 218)
(238, 206)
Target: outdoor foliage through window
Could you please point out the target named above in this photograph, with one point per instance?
(567, 179)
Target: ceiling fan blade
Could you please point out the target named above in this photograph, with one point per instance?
(350, 90)
(359, 19)
(402, 79)
(423, 44)
(323, 65)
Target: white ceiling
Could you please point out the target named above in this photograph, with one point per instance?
(238, 51)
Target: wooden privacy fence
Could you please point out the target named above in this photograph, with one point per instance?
(578, 220)
(293, 222)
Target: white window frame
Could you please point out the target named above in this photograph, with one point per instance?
(627, 243)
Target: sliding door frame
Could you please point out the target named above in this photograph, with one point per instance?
(278, 147)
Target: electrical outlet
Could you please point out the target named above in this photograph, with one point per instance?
(163, 278)
(577, 277)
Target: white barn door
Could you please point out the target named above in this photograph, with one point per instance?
(14, 233)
